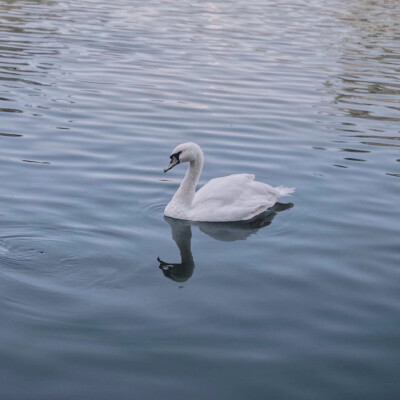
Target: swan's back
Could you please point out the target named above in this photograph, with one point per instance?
(233, 198)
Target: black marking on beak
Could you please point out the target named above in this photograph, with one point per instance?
(176, 155)
(174, 161)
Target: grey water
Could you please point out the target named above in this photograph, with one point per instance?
(102, 297)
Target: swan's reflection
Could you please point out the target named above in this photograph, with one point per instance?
(224, 231)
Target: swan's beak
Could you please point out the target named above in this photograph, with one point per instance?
(172, 164)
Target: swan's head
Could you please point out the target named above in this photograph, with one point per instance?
(185, 152)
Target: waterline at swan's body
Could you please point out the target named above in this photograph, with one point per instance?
(230, 198)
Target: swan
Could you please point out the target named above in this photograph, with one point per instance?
(229, 198)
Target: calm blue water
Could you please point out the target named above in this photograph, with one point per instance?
(94, 96)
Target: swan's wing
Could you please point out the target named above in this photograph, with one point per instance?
(222, 188)
(232, 198)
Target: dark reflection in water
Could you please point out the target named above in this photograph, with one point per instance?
(223, 231)
(10, 134)
(182, 236)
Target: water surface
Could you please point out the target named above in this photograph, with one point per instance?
(301, 305)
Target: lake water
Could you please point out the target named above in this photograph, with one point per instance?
(94, 95)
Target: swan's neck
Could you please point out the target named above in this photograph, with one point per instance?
(185, 194)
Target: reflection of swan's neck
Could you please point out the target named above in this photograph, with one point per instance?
(185, 194)
(182, 235)
(183, 239)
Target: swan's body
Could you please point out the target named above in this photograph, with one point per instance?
(230, 198)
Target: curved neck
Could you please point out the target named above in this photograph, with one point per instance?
(187, 189)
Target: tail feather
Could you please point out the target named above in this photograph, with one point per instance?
(284, 191)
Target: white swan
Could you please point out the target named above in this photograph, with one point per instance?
(230, 198)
